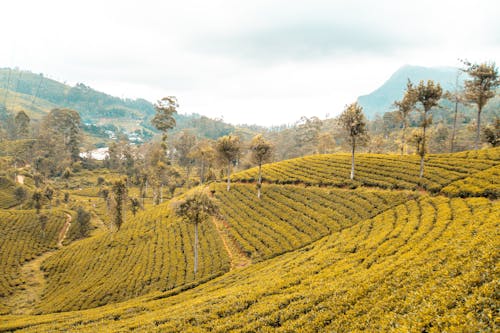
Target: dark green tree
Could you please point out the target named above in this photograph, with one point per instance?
(135, 204)
(119, 195)
(491, 133)
(22, 121)
(37, 200)
(20, 194)
(83, 226)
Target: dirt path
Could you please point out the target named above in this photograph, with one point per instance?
(236, 255)
(23, 301)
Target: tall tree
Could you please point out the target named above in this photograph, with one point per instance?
(197, 207)
(120, 195)
(184, 151)
(22, 121)
(134, 205)
(481, 87)
(261, 153)
(428, 95)
(404, 107)
(49, 194)
(204, 154)
(20, 194)
(37, 200)
(164, 118)
(228, 148)
(457, 97)
(353, 121)
(64, 126)
(83, 226)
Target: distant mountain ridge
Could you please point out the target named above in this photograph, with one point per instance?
(381, 100)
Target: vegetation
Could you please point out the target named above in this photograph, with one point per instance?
(289, 217)
(152, 253)
(22, 239)
(414, 268)
(392, 249)
(384, 171)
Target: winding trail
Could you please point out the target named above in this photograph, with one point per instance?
(238, 258)
(23, 301)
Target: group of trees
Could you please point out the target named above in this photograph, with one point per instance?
(423, 98)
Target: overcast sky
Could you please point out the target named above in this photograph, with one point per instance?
(263, 62)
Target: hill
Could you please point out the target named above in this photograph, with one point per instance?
(103, 115)
(380, 100)
(385, 253)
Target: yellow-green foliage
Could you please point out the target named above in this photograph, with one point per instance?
(482, 154)
(484, 183)
(429, 265)
(21, 239)
(7, 198)
(151, 252)
(289, 217)
(386, 171)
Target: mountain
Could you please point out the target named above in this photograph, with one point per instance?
(380, 100)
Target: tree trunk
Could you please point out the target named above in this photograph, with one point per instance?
(161, 193)
(453, 133)
(259, 182)
(403, 137)
(188, 171)
(195, 249)
(422, 152)
(352, 158)
(228, 176)
(478, 132)
(202, 172)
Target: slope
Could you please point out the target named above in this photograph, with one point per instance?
(22, 239)
(427, 265)
(379, 170)
(152, 251)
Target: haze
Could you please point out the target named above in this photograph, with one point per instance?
(262, 62)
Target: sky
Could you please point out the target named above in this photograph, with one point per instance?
(255, 62)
